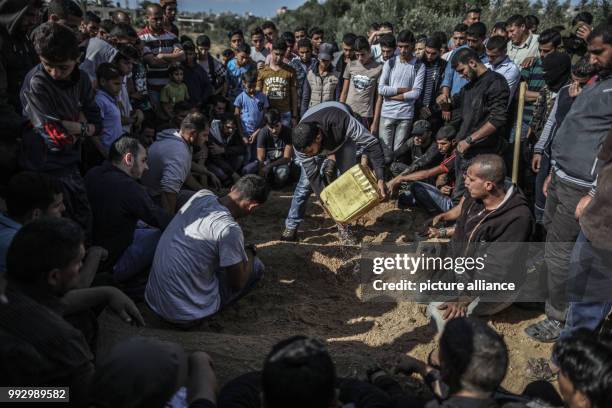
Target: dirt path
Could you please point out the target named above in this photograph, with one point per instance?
(310, 288)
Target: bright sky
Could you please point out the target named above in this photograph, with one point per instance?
(263, 8)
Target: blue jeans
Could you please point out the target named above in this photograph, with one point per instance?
(393, 133)
(589, 268)
(346, 157)
(427, 197)
(138, 257)
(298, 202)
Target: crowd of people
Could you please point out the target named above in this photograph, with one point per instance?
(129, 154)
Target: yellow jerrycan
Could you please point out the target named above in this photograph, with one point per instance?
(351, 195)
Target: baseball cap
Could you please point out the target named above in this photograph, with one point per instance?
(325, 51)
(420, 127)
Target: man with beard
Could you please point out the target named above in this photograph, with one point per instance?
(118, 202)
(480, 111)
(426, 107)
(570, 185)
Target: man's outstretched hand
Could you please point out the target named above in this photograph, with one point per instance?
(453, 309)
(382, 189)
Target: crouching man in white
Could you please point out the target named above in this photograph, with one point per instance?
(201, 264)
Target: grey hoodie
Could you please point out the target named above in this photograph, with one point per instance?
(169, 163)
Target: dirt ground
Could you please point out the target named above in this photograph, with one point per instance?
(311, 288)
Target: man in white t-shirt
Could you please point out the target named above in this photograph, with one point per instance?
(201, 264)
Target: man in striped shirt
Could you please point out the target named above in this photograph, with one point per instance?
(162, 48)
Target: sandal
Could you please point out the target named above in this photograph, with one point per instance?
(545, 331)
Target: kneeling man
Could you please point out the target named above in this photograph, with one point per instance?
(492, 212)
(201, 263)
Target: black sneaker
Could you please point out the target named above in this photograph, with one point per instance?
(545, 331)
(289, 235)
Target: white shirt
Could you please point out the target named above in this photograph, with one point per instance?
(530, 48)
(202, 239)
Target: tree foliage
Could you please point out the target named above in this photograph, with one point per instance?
(337, 17)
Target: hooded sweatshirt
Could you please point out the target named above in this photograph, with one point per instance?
(169, 160)
(46, 102)
(510, 222)
(17, 57)
(234, 145)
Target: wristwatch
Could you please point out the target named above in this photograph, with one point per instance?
(469, 140)
(83, 129)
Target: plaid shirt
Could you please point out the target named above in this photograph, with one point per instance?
(534, 76)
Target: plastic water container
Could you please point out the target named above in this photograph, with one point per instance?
(351, 195)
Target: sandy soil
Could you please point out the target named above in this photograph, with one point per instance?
(311, 288)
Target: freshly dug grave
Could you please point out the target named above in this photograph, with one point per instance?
(310, 288)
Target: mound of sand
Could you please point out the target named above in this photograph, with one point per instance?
(311, 288)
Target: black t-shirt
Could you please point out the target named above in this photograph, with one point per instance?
(274, 145)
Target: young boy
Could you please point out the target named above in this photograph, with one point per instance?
(216, 70)
(139, 92)
(360, 83)
(131, 118)
(274, 149)
(59, 102)
(278, 82)
(237, 66)
(236, 39)
(302, 64)
(258, 50)
(176, 91)
(109, 88)
(249, 108)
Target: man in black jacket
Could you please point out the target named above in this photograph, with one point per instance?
(329, 129)
(480, 111)
(492, 213)
(118, 203)
(416, 153)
